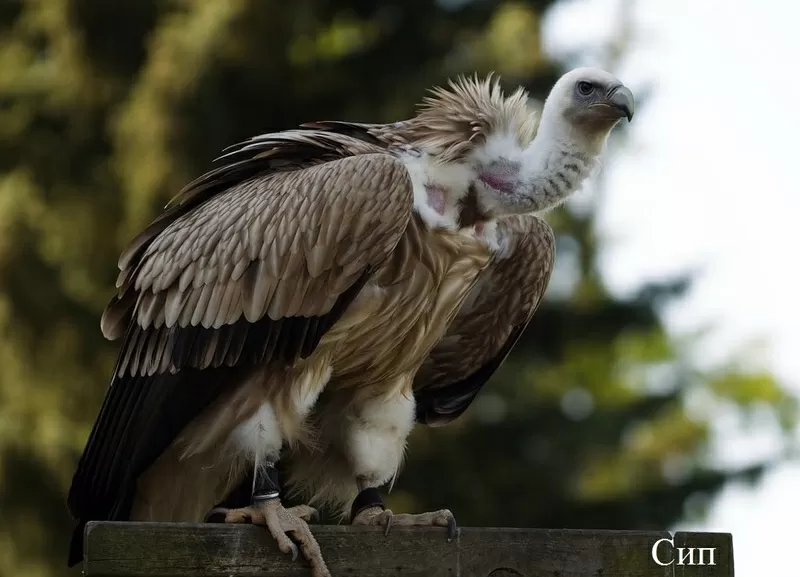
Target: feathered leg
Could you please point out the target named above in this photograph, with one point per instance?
(278, 420)
(375, 444)
(362, 441)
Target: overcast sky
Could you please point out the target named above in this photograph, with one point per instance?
(711, 183)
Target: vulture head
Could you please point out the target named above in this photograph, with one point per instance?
(516, 173)
(587, 102)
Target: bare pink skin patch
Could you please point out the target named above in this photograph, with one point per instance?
(479, 227)
(497, 181)
(435, 197)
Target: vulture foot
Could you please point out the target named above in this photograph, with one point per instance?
(281, 523)
(385, 518)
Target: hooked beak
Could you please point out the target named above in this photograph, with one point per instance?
(620, 98)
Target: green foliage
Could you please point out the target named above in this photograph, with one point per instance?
(108, 108)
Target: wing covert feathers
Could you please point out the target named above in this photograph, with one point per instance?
(283, 246)
(489, 324)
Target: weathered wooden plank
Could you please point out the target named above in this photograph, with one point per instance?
(167, 549)
(562, 553)
(198, 550)
(696, 551)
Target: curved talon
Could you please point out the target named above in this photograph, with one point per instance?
(388, 525)
(216, 515)
(295, 551)
(452, 528)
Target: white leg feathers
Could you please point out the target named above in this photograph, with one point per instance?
(283, 402)
(375, 438)
(259, 438)
(362, 440)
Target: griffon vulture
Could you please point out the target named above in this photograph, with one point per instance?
(321, 290)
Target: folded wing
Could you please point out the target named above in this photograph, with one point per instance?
(489, 324)
(251, 264)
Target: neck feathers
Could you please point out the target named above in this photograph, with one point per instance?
(513, 180)
(552, 171)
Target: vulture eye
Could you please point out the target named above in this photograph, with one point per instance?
(585, 88)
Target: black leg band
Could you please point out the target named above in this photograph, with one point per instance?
(366, 499)
(267, 484)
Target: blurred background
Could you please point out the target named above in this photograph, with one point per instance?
(656, 388)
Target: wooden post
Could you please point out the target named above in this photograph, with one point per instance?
(211, 550)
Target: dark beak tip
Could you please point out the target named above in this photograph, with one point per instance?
(622, 98)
